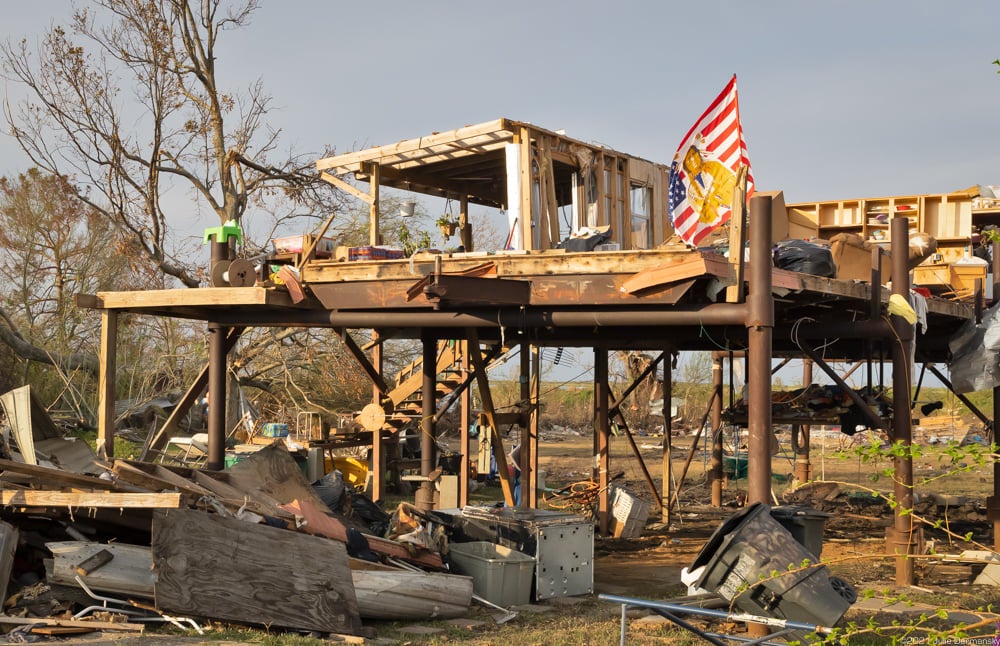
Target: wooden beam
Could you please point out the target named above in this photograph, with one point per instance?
(59, 477)
(106, 385)
(71, 623)
(410, 145)
(373, 373)
(347, 188)
(482, 380)
(34, 498)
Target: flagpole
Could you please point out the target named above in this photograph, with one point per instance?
(738, 236)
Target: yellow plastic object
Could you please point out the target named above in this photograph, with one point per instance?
(355, 471)
(899, 307)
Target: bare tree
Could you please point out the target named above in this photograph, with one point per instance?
(126, 104)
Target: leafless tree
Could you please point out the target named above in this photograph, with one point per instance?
(126, 104)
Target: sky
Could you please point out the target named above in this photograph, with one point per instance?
(838, 100)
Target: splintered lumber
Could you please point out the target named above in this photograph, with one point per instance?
(52, 477)
(404, 595)
(128, 573)
(8, 545)
(321, 524)
(32, 498)
(232, 570)
(70, 623)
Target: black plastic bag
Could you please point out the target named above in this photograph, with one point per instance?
(805, 257)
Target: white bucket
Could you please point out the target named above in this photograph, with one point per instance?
(406, 209)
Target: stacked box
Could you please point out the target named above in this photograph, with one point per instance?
(374, 253)
(296, 244)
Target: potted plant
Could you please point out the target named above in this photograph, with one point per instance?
(447, 225)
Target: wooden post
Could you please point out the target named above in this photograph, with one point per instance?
(534, 419)
(374, 179)
(106, 384)
(482, 380)
(464, 228)
(527, 185)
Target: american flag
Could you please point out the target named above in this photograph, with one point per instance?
(703, 173)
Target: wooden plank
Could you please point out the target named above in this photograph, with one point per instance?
(93, 562)
(58, 477)
(237, 571)
(347, 188)
(34, 498)
(8, 545)
(411, 145)
(681, 267)
(319, 523)
(223, 296)
(156, 478)
(129, 573)
(106, 384)
(71, 623)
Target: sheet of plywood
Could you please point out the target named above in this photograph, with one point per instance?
(232, 570)
(272, 474)
(8, 545)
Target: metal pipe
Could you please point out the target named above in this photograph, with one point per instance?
(715, 466)
(668, 428)
(217, 371)
(760, 325)
(602, 430)
(993, 503)
(424, 498)
(902, 425)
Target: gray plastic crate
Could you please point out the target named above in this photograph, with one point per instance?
(499, 574)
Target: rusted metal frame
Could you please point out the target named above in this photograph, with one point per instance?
(464, 387)
(901, 422)
(716, 394)
(667, 463)
(482, 380)
(217, 371)
(359, 355)
(613, 409)
(715, 465)
(760, 330)
(424, 499)
(524, 464)
(464, 396)
(800, 435)
(638, 455)
(602, 436)
(156, 441)
(534, 420)
(987, 422)
(993, 502)
(446, 289)
(378, 453)
(858, 400)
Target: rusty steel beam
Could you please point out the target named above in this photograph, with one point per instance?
(424, 499)
(217, 371)
(760, 327)
(902, 425)
(993, 502)
(715, 473)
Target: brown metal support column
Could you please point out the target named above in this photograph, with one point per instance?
(533, 424)
(465, 420)
(217, 369)
(668, 472)
(800, 434)
(760, 326)
(993, 502)
(524, 382)
(602, 433)
(424, 498)
(902, 427)
(106, 384)
(715, 465)
(378, 458)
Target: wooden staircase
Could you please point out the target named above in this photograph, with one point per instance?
(406, 399)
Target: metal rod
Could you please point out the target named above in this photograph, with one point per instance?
(715, 468)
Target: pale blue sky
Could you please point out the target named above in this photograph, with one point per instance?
(838, 99)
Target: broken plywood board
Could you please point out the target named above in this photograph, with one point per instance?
(271, 474)
(129, 572)
(8, 545)
(232, 570)
(29, 421)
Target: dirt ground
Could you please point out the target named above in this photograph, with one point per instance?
(649, 567)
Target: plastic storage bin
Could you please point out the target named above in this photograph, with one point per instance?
(499, 574)
(740, 557)
(804, 523)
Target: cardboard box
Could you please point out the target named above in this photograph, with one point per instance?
(853, 255)
(296, 244)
